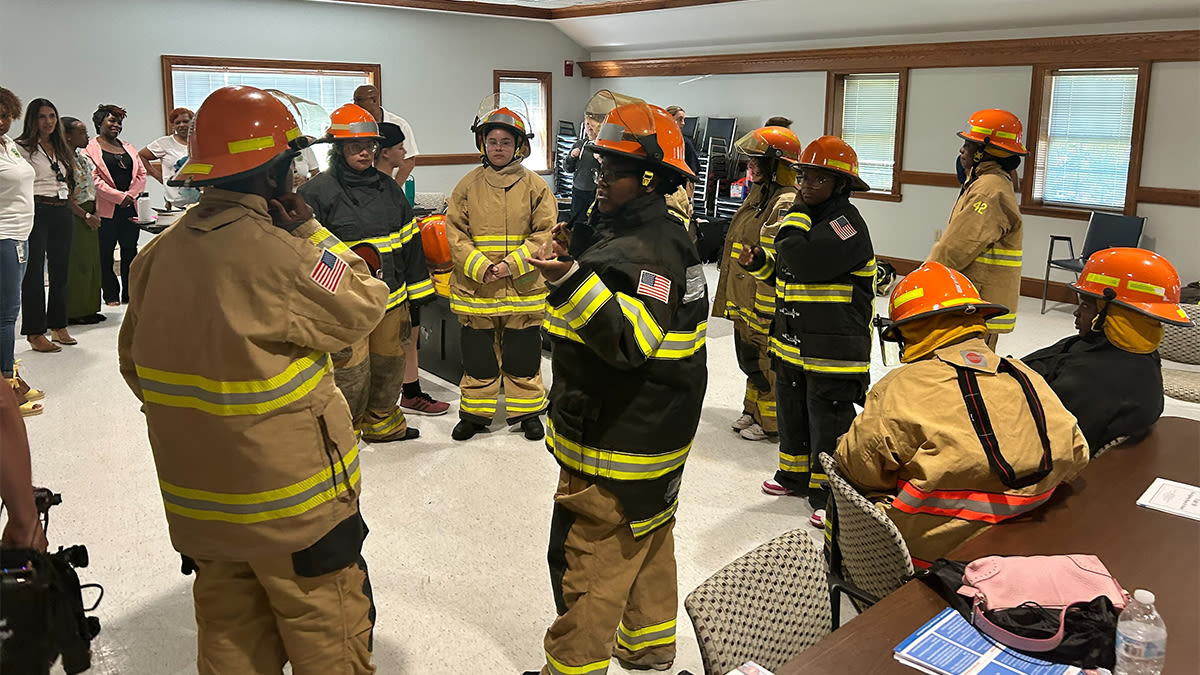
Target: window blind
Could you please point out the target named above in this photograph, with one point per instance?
(1084, 154)
(869, 125)
(530, 91)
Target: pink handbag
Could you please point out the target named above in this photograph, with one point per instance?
(1052, 582)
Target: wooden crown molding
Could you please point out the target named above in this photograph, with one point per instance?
(545, 14)
(1074, 51)
(448, 160)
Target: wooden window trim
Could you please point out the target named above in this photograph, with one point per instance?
(835, 83)
(169, 62)
(547, 81)
(1039, 118)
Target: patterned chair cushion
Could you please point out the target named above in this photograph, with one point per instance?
(767, 606)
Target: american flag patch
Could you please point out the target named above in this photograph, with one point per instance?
(842, 228)
(328, 272)
(655, 286)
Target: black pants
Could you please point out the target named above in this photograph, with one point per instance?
(813, 412)
(118, 229)
(580, 201)
(49, 248)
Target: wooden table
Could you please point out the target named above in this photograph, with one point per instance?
(1096, 513)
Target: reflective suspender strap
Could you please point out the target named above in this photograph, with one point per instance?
(968, 384)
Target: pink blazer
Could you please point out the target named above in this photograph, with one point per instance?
(108, 197)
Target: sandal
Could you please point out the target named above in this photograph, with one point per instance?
(39, 343)
(22, 387)
(62, 337)
(28, 408)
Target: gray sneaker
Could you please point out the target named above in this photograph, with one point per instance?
(754, 432)
(742, 422)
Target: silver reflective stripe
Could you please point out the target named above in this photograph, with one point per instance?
(581, 304)
(611, 468)
(967, 506)
(695, 284)
(794, 293)
(637, 315)
(342, 476)
(635, 642)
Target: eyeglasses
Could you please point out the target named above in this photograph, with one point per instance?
(812, 179)
(356, 147)
(611, 175)
(503, 143)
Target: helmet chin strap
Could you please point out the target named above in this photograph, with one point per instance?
(1098, 320)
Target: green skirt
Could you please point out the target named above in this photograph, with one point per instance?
(83, 273)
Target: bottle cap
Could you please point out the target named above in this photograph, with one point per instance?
(1143, 596)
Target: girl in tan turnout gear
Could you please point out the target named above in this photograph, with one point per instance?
(746, 301)
(983, 238)
(497, 218)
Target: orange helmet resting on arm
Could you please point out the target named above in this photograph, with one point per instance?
(435, 244)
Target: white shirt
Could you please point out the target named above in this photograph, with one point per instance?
(45, 180)
(410, 141)
(170, 151)
(16, 192)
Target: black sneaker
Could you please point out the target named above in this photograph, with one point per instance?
(465, 430)
(533, 429)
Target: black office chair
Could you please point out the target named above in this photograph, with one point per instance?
(1105, 230)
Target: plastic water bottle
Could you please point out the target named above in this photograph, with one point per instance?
(145, 212)
(410, 189)
(1141, 637)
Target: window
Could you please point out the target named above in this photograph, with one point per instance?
(867, 111)
(1085, 141)
(534, 89)
(314, 89)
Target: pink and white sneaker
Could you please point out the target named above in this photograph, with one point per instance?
(770, 487)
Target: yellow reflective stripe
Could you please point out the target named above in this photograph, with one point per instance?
(392, 241)
(817, 480)
(952, 302)
(484, 407)
(475, 265)
(583, 303)
(556, 668)
(556, 325)
(792, 355)
(397, 296)
(256, 507)
(292, 134)
(461, 304)
(767, 270)
(1104, 279)
(420, 289)
(837, 163)
(386, 425)
(998, 133)
(640, 638)
(241, 397)
(999, 256)
(793, 463)
(908, 297)
(842, 293)
(1144, 287)
(1002, 324)
(867, 270)
(521, 262)
(797, 220)
(755, 322)
(681, 344)
(642, 528)
(524, 405)
(612, 464)
(646, 330)
(251, 144)
(196, 167)
(736, 250)
(764, 304)
(323, 238)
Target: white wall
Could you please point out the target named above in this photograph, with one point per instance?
(939, 102)
(436, 66)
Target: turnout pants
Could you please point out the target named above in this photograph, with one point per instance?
(501, 350)
(615, 595)
(750, 347)
(371, 377)
(252, 617)
(814, 411)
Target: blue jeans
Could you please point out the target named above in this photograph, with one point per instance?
(12, 272)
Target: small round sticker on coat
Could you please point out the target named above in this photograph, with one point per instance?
(974, 358)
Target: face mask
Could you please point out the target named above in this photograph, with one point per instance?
(959, 170)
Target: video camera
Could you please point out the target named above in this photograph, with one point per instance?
(41, 605)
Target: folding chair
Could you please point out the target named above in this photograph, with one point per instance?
(1105, 230)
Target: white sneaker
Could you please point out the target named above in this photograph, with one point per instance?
(754, 432)
(742, 422)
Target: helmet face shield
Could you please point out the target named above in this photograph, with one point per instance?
(506, 111)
